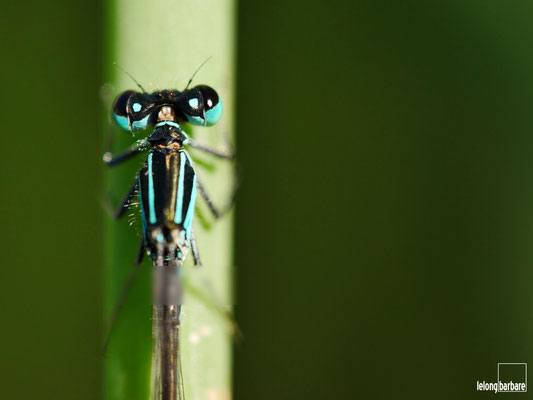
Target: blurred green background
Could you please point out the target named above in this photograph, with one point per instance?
(384, 224)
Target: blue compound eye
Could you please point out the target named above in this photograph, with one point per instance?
(120, 110)
(132, 111)
(202, 106)
(137, 125)
(212, 104)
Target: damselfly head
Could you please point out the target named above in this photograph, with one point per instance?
(201, 105)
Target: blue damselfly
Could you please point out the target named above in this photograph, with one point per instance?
(166, 187)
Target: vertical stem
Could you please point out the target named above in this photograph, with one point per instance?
(161, 43)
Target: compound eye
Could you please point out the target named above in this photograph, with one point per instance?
(120, 109)
(192, 106)
(202, 106)
(132, 111)
(140, 109)
(212, 104)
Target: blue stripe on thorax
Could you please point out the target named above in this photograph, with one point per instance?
(151, 194)
(179, 200)
(190, 210)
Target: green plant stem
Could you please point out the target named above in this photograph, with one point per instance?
(161, 43)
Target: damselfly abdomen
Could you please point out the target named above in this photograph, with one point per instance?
(166, 186)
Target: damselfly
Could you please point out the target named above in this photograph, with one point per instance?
(166, 187)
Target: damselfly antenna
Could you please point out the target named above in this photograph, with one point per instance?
(130, 75)
(195, 72)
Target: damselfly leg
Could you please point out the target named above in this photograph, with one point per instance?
(214, 152)
(194, 249)
(135, 149)
(125, 203)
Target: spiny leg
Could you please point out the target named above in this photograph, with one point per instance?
(207, 199)
(127, 199)
(194, 249)
(119, 212)
(140, 253)
(217, 153)
(138, 147)
(229, 155)
(214, 210)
